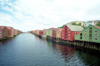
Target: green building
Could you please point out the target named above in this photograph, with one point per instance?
(90, 34)
(49, 32)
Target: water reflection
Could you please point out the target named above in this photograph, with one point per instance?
(34, 51)
(90, 58)
(72, 54)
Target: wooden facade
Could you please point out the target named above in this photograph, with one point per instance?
(90, 34)
(10, 31)
(69, 31)
(45, 31)
(54, 32)
(40, 32)
(4, 31)
(58, 33)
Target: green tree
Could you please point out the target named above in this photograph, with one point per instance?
(79, 24)
(73, 23)
(61, 26)
(98, 24)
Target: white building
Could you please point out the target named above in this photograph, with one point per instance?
(86, 24)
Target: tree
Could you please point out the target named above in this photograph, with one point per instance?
(73, 23)
(61, 26)
(98, 24)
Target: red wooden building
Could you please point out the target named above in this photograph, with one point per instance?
(9, 31)
(40, 32)
(69, 31)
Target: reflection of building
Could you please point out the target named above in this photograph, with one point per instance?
(67, 52)
(50, 44)
(58, 47)
(88, 59)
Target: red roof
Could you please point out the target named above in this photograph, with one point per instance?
(60, 28)
(52, 28)
(2, 27)
(9, 27)
(45, 29)
(97, 26)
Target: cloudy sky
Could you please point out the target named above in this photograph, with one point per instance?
(29, 15)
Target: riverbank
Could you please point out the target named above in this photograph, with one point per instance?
(88, 45)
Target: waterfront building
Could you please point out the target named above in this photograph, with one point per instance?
(90, 34)
(69, 31)
(10, 31)
(3, 32)
(44, 31)
(58, 33)
(40, 32)
(49, 33)
(54, 33)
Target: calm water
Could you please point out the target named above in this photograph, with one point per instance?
(29, 50)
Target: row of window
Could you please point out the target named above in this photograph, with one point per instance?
(86, 31)
(66, 34)
(94, 38)
(91, 35)
(66, 37)
(86, 38)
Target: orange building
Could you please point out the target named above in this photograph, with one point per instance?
(58, 33)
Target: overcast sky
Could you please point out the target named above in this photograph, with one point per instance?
(29, 15)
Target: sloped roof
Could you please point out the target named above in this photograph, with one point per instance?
(9, 27)
(2, 27)
(96, 26)
(59, 29)
(75, 28)
(45, 29)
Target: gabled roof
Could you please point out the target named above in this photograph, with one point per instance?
(75, 28)
(59, 29)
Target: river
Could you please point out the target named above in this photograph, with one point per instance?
(29, 50)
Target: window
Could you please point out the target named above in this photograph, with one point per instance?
(85, 31)
(69, 31)
(85, 34)
(65, 37)
(85, 38)
(68, 37)
(95, 38)
(95, 34)
(80, 34)
(95, 31)
(90, 28)
(69, 34)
